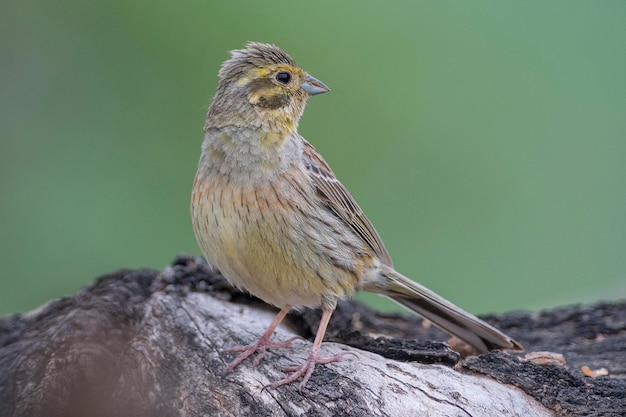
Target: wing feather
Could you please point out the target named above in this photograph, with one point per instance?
(339, 200)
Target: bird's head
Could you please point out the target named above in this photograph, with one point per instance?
(262, 86)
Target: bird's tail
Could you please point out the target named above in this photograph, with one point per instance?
(441, 312)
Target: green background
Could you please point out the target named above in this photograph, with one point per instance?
(486, 140)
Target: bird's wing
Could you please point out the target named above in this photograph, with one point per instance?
(339, 200)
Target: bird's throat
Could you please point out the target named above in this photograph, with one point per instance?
(272, 140)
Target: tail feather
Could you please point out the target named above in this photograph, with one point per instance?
(441, 312)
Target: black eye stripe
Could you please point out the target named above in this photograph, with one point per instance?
(283, 77)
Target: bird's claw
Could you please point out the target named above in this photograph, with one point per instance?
(259, 346)
(306, 369)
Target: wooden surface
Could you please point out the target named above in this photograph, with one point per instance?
(149, 343)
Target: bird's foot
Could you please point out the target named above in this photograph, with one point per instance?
(306, 369)
(259, 346)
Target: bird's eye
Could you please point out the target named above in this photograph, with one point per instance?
(283, 77)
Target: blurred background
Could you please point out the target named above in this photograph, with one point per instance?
(486, 140)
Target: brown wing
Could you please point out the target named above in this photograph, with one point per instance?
(339, 200)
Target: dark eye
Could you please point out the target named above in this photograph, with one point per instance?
(283, 77)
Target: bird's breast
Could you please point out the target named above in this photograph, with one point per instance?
(273, 239)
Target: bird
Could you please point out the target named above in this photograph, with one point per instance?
(270, 214)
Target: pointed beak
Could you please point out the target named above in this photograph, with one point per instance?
(314, 86)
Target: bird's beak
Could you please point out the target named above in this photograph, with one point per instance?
(314, 86)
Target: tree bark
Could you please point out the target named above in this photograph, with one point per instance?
(149, 343)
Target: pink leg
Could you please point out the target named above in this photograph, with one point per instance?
(306, 369)
(263, 343)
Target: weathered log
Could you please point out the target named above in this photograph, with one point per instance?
(148, 343)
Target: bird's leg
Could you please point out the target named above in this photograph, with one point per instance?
(263, 343)
(306, 369)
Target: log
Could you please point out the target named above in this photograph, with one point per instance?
(151, 343)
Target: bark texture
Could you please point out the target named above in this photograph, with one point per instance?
(150, 343)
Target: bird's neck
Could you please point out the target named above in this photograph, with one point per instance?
(252, 155)
(274, 124)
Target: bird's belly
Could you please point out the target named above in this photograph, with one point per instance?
(269, 246)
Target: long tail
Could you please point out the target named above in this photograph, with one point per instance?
(441, 312)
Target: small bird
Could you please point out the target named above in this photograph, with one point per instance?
(270, 214)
